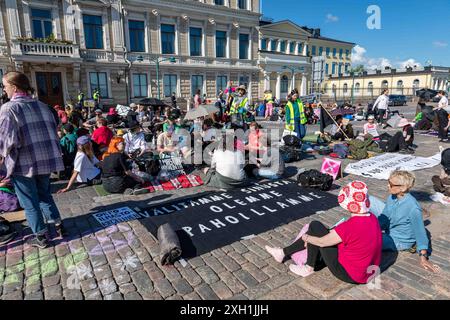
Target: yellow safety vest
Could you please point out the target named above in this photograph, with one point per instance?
(234, 109)
(303, 120)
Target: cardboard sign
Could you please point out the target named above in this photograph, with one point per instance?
(331, 167)
(89, 103)
(111, 217)
(172, 166)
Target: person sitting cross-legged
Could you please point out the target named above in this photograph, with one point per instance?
(401, 219)
(349, 249)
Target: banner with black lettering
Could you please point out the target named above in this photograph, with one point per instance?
(213, 220)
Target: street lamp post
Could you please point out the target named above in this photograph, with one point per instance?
(157, 61)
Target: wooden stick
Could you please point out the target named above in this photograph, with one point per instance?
(332, 118)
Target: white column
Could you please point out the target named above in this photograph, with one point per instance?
(56, 20)
(106, 23)
(26, 19)
(266, 80)
(293, 82)
(2, 30)
(278, 87)
(305, 45)
(116, 26)
(304, 86)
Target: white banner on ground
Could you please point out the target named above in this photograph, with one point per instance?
(380, 167)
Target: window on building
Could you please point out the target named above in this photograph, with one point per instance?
(340, 68)
(167, 39)
(195, 40)
(292, 47)
(42, 23)
(137, 35)
(221, 44)
(221, 83)
(242, 4)
(341, 51)
(416, 84)
(333, 88)
(170, 84)
(273, 45)
(244, 45)
(93, 31)
(196, 84)
(334, 52)
(345, 88)
(264, 44)
(346, 67)
(370, 88)
(284, 84)
(327, 68)
(99, 80)
(300, 48)
(400, 86)
(320, 51)
(357, 87)
(313, 50)
(333, 68)
(283, 46)
(327, 51)
(140, 85)
(244, 81)
(219, 2)
(347, 53)
(384, 84)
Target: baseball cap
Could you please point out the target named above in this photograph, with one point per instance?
(81, 141)
(98, 111)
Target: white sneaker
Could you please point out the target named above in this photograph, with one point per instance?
(277, 253)
(303, 270)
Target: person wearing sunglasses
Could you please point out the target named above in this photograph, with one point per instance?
(401, 219)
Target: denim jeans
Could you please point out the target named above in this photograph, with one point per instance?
(389, 243)
(300, 129)
(35, 197)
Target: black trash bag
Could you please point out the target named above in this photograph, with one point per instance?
(292, 141)
(290, 154)
(169, 245)
(6, 231)
(315, 179)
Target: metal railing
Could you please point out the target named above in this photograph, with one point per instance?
(46, 49)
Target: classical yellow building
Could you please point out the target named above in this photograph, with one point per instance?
(368, 85)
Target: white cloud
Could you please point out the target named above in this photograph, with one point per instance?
(371, 63)
(440, 44)
(331, 18)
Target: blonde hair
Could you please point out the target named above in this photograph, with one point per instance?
(406, 178)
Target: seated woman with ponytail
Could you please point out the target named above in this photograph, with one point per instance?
(117, 176)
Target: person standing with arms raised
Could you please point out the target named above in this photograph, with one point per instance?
(295, 115)
(382, 104)
(30, 150)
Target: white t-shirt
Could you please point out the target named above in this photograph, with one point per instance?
(371, 129)
(229, 164)
(443, 103)
(134, 142)
(382, 102)
(86, 168)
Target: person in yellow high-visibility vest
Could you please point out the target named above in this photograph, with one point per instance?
(295, 115)
(239, 106)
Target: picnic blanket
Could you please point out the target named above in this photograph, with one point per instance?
(181, 182)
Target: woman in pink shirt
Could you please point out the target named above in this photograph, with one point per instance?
(197, 99)
(352, 250)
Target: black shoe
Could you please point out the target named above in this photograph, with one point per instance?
(38, 242)
(4, 239)
(61, 232)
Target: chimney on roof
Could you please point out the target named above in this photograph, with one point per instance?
(316, 32)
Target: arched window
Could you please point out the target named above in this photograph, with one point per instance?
(400, 86)
(384, 84)
(370, 88)
(357, 87)
(333, 88)
(345, 88)
(416, 84)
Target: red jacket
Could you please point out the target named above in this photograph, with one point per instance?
(102, 136)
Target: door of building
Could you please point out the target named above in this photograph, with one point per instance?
(49, 88)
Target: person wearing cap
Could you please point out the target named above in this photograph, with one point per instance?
(135, 140)
(92, 122)
(69, 147)
(239, 106)
(165, 142)
(348, 249)
(112, 117)
(120, 133)
(370, 128)
(86, 165)
(401, 219)
(403, 140)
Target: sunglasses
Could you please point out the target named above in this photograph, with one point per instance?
(394, 185)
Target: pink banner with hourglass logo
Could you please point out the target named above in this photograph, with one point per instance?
(331, 167)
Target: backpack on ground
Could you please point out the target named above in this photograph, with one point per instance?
(341, 150)
(315, 179)
(291, 141)
(290, 154)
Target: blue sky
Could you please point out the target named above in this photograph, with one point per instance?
(412, 31)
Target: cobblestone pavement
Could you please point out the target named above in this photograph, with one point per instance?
(121, 262)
